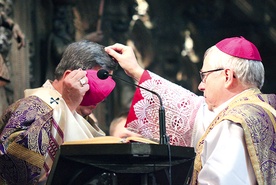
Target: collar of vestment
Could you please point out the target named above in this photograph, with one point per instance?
(47, 93)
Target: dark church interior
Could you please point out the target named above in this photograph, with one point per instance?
(169, 37)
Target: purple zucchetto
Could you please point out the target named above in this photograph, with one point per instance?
(239, 47)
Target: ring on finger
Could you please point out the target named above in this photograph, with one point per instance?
(82, 81)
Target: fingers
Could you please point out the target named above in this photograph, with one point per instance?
(78, 77)
(115, 52)
(19, 36)
(126, 59)
(129, 134)
(124, 132)
(21, 42)
(117, 46)
(82, 81)
(75, 85)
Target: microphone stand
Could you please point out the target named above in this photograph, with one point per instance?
(103, 74)
(162, 120)
(162, 125)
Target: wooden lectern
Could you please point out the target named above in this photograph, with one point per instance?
(121, 164)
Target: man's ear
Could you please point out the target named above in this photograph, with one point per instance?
(229, 77)
(67, 72)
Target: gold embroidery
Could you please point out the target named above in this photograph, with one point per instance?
(239, 100)
(25, 154)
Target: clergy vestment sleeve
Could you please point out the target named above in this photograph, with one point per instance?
(181, 106)
(24, 140)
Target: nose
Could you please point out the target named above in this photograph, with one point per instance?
(201, 86)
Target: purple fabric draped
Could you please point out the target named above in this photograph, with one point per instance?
(27, 123)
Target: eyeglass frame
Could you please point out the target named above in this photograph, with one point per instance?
(203, 75)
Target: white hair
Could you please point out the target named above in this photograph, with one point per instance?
(250, 72)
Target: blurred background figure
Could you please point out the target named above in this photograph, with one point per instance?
(8, 30)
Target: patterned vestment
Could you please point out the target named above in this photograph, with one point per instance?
(32, 129)
(182, 108)
(254, 112)
(25, 129)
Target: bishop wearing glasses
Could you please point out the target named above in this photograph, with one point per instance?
(232, 126)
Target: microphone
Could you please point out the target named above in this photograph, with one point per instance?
(104, 74)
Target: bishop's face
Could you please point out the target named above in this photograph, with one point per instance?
(212, 84)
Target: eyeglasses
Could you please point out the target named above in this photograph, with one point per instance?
(204, 74)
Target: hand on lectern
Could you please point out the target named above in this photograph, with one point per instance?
(124, 132)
